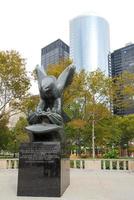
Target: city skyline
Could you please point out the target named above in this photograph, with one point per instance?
(28, 26)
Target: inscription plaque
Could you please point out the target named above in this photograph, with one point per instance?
(39, 151)
(43, 171)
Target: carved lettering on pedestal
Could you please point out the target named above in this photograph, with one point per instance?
(39, 152)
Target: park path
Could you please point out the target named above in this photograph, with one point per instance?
(85, 185)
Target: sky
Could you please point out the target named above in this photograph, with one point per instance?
(29, 25)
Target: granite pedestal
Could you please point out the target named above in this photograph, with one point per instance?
(44, 169)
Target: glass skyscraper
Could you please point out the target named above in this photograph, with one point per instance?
(89, 43)
(54, 53)
(119, 61)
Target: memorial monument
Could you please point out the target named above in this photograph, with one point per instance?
(44, 168)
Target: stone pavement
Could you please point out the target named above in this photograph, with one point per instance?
(85, 185)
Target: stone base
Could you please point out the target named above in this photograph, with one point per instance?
(44, 171)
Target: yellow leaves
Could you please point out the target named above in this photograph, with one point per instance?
(97, 111)
(29, 103)
(77, 123)
(97, 82)
(128, 90)
(9, 62)
(76, 89)
(57, 69)
(22, 137)
(14, 82)
(3, 121)
(13, 74)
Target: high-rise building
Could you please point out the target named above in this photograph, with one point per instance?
(54, 52)
(89, 43)
(122, 60)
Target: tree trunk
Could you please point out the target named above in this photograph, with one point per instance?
(93, 138)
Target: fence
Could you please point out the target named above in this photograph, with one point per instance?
(96, 164)
(103, 164)
(9, 163)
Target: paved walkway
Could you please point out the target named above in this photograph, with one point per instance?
(85, 185)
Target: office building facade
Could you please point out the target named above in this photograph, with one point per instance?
(119, 61)
(89, 43)
(54, 53)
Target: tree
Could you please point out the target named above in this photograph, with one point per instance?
(76, 128)
(108, 134)
(96, 100)
(56, 69)
(14, 82)
(126, 126)
(4, 133)
(29, 103)
(18, 135)
(102, 89)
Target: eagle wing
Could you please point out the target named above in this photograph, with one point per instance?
(65, 78)
(41, 74)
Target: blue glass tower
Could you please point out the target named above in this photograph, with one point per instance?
(89, 43)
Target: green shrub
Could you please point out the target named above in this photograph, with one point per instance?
(113, 153)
